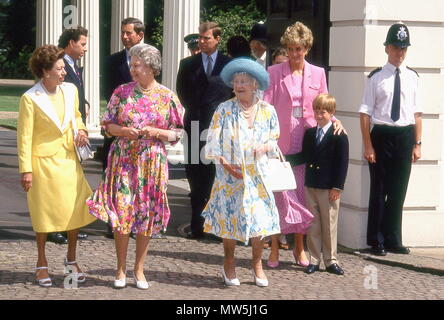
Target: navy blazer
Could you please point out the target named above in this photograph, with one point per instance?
(200, 95)
(72, 77)
(116, 73)
(326, 163)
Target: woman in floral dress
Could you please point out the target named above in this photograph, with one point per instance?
(143, 115)
(243, 131)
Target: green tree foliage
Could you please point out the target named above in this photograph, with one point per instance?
(17, 38)
(234, 17)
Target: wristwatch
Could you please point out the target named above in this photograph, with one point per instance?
(418, 143)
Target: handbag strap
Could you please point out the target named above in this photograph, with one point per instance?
(281, 156)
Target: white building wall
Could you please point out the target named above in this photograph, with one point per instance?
(358, 31)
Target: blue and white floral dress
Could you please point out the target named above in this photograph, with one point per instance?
(241, 209)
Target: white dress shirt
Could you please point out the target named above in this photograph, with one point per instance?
(263, 60)
(128, 58)
(378, 96)
(205, 60)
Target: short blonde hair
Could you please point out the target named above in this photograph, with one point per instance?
(149, 54)
(325, 101)
(298, 33)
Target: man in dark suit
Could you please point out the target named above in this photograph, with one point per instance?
(326, 157)
(74, 42)
(117, 69)
(200, 91)
(117, 72)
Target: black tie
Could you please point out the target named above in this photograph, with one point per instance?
(396, 103)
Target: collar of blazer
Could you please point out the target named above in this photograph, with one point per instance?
(327, 136)
(38, 94)
(72, 75)
(200, 69)
(306, 81)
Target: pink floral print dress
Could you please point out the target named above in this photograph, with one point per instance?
(132, 194)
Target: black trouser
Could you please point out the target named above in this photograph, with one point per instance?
(106, 146)
(200, 178)
(389, 178)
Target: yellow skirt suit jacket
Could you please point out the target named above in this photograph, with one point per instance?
(45, 143)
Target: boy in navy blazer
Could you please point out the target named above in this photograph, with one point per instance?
(326, 159)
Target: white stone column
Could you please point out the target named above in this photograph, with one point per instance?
(49, 21)
(122, 9)
(181, 17)
(358, 31)
(88, 11)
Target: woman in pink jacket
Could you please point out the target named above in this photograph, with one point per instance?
(293, 86)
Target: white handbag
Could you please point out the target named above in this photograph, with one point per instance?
(85, 152)
(280, 175)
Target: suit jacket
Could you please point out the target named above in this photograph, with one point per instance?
(117, 72)
(199, 95)
(72, 77)
(279, 94)
(40, 132)
(326, 164)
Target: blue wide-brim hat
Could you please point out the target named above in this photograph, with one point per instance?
(245, 65)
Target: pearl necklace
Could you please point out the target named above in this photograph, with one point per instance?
(247, 113)
(148, 89)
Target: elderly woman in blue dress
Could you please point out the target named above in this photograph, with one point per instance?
(242, 134)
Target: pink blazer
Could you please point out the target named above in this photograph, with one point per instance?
(279, 94)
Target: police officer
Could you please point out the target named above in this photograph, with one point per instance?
(258, 43)
(390, 105)
(192, 41)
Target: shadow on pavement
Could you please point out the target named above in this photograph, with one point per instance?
(17, 233)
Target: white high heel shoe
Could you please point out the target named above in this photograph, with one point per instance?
(229, 282)
(46, 282)
(143, 285)
(120, 283)
(80, 277)
(260, 282)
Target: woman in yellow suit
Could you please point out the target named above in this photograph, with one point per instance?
(51, 173)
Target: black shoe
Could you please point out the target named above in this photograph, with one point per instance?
(378, 250)
(312, 268)
(195, 235)
(57, 237)
(109, 232)
(398, 249)
(335, 269)
(82, 236)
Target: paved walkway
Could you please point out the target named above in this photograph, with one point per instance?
(178, 268)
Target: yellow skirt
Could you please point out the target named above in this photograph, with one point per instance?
(59, 190)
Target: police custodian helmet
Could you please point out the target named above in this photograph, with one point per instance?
(398, 35)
